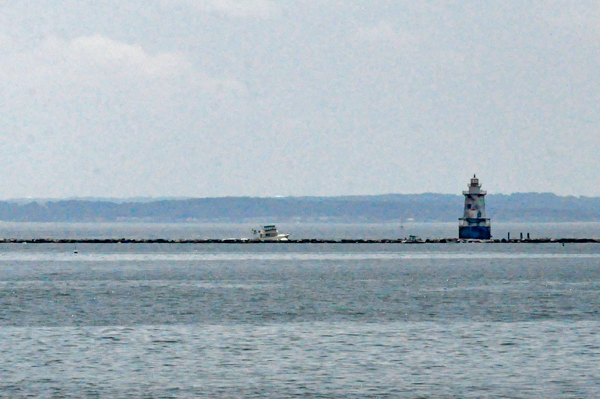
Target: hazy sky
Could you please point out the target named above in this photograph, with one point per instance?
(310, 97)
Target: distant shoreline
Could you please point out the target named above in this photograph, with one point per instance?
(392, 208)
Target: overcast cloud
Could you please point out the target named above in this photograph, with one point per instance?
(256, 97)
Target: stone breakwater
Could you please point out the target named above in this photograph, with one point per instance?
(289, 241)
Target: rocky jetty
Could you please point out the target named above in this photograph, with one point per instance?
(290, 241)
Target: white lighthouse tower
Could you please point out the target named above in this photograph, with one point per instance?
(474, 224)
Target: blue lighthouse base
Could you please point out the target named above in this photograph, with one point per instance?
(476, 232)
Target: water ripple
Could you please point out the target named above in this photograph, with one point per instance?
(288, 256)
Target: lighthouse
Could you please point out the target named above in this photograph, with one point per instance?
(474, 224)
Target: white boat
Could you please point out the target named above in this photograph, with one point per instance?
(415, 240)
(269, 233)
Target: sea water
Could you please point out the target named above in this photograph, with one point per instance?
(297, 320)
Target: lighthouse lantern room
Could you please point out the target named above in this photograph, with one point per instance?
(474, 224)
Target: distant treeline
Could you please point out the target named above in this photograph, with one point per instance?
(526, 207)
